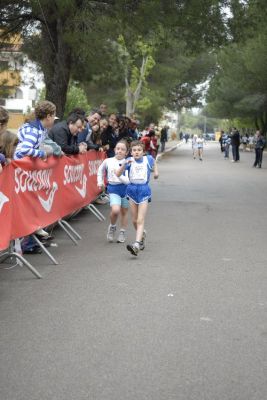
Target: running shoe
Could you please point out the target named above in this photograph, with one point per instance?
(121, 237)
(143, 241)
(42, 233)
(111, 233)
(133, 249)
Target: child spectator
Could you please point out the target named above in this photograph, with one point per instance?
(8, 143)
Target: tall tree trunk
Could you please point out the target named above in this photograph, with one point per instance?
(56, 74)
(133, 97)
(256, 122)
(129, 101)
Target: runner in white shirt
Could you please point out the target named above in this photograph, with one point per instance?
(116, 189)
(200, 144)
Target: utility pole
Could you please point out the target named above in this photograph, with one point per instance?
(205, 124)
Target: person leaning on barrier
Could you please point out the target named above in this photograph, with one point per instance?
(65, 134)
(85, 136)
(33, 133)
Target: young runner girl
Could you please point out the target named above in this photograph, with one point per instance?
(138, 191)
(200, 145)
(116, 189)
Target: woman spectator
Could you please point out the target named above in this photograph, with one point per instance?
(96, 135)
(110, 135)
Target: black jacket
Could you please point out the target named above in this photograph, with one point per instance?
(61, 134)
(235, 138)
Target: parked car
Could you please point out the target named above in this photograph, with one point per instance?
(209, 136)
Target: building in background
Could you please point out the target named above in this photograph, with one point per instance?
(20, 81)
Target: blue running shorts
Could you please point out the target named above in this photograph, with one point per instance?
(138, 193)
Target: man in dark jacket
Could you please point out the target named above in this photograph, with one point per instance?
(163, 137)
(235, 142)
(65, 134)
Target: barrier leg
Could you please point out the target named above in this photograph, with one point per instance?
(96, 212)
(54, 261)
(7, 255)
(71, 228)
(67, 232)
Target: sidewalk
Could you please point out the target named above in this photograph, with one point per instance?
(170, 146)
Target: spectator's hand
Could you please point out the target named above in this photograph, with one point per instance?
(101, 149)
(82, 148)
(44, 157)
(48, 150)
(156, 176)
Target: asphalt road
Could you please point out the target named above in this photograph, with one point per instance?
(186, 320)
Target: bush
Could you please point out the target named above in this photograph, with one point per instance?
(76, 97)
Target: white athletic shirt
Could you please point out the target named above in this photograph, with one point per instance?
(139, 171)
(200, 142)
(109, 167)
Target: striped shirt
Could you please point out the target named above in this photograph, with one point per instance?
(30, 135)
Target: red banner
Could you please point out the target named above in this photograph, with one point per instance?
(36, 193)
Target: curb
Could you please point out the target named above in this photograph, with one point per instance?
(159, 156)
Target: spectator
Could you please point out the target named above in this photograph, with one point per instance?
(186, 137)
(226, 141)
(65, 134)
(8, 143)
(133, 131)
(33, 133)
(32, 136)
(259, 146)
(235, 142)
(92, 119)
(103, 124)
(153, 145)
(221, 141)
(4, 117)
(103, 109)
(163, 138)
(110, 136)
(96, 135)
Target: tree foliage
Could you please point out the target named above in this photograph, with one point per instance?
(239, 86)
(73, 39)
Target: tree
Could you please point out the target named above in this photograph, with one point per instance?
(67, 37)
(48, 30)
(134, 75)
(238, 88)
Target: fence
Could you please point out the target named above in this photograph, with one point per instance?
(36, 193)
